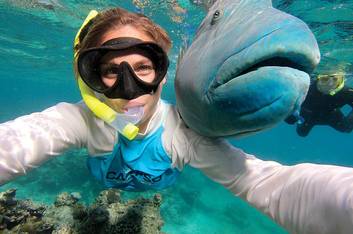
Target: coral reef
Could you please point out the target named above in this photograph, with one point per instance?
(108, 214)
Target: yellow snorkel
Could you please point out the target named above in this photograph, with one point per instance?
(333, 92)
(100, 109)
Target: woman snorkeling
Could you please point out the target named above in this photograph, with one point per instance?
(137, 142)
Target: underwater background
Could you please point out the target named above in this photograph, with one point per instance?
(36, 38)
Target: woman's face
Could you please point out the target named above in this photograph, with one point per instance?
(143, 68)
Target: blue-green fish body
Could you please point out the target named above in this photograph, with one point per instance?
(246, 69)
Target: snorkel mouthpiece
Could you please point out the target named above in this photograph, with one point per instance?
(122, 122)
(125, 122)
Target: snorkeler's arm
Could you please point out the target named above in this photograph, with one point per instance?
(305, 198)
(347, 95)
(28, 141)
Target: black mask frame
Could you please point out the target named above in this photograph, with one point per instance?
(130, 86)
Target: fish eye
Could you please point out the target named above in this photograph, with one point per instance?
(216, 16)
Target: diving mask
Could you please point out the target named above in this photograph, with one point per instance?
(128, 85)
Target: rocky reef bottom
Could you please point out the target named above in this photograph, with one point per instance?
(108, 214)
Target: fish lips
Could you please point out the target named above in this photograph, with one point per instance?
(259, 98)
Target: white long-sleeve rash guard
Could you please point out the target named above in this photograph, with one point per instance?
(305, 198)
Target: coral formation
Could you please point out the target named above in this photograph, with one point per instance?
(108, 214)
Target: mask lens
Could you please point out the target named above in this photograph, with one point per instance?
(145, 71)
(138, 60)
(109, 71)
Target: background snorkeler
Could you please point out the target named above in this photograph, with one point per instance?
(322, 106)
(118, 50)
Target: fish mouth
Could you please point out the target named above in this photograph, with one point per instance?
(247, 65)
(225, 74)
(266, 52)
(273, 62)
(275, 72)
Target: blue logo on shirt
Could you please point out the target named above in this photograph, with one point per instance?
(142, 177)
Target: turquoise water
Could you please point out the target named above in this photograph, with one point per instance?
(36, 72)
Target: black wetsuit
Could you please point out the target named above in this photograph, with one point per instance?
(322, 109)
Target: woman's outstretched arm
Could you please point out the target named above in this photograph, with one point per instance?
(303, 198)
(28, 141)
